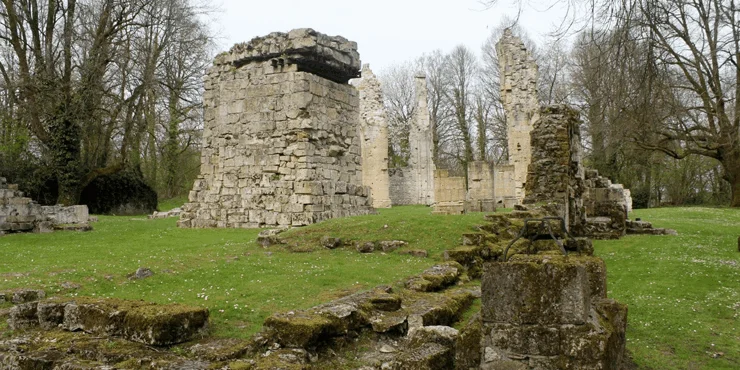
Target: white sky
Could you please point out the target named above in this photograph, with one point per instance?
(386, 31)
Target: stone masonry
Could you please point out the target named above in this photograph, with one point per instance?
(480, 195)
(519, 94)
(449, 194)
(414, 184)
(281, 141)
(556, 173)
(19, 213)
(550, 312)
(374, 138)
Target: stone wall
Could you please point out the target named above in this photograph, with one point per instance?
(18, 213)
(280, 143)
(519, 94)
(449, 193)
(480, 196)
(59, 214)
(414, 184)
(374, 138)
(22, 214)
(556, 174)
(504, 186)
(607, 206)
(550, 312)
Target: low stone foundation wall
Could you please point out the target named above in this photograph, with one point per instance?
(550, 312)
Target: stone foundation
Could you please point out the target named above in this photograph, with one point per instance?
(550, 312)
(280, 144)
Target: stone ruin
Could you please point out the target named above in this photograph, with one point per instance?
(453, 198)
(449, 193)
(374, 138)
(519, 74)
(414, 184)
(281, 143)
(22, 214)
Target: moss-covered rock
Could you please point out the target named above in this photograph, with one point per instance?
(301, 329)
(467, 345)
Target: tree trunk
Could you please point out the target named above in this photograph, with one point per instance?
(733, 176)
(65, 154)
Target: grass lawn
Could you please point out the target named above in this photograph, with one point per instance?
(683, 291)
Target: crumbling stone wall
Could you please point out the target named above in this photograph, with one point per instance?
(556, 173)
(374, 138)
(519, 73)
(480, 196)
(18, 213)
(22, 214)
(280, 143)
(414, 184)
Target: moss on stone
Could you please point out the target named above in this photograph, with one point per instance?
(301, 329)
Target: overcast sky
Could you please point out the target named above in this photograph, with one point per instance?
(386, 31)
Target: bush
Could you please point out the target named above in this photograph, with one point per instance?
(122, 193)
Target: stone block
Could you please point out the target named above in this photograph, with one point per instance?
(536, 290)
(23, 316)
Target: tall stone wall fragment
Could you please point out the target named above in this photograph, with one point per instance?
(556, 173)
(280, 143)
(414, 184)
(519, 73)
(374, 138)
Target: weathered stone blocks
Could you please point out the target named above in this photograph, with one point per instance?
(147, 323)
(542, 311)
(280, 143)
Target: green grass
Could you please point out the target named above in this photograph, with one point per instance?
(168, 204)
(225, 270)
(683, 291)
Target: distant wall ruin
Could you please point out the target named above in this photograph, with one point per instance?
(593, 206)
(414, 184)
(480, 196)
(449, 193)
(518, 80)
(280, 144)
(374, 138)
(19, 213)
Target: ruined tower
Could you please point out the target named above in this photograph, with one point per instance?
(414, 184)
(518, 72)
(280, 143)
(374, 138)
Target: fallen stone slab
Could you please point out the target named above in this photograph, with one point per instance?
(22, 295)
